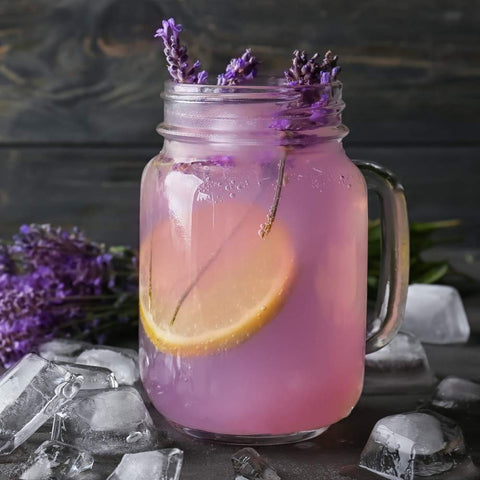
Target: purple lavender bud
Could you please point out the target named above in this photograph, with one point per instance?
(329, 61)
(176, 54)
(325, 78)
(239, 69)
(24, 320)
(335, 72)
(307, 71)
(7, 264)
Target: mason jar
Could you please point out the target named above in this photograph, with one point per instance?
(253, 263)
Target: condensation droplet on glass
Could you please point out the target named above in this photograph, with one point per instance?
(202, 196)
(232, 195)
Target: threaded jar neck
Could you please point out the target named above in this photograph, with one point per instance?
(272, 113)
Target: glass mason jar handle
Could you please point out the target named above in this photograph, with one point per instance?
(393, 281)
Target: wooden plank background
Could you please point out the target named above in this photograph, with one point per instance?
(80, 83)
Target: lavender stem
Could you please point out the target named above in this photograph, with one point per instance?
(267, 226)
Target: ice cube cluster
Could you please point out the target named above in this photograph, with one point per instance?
(434, 314)
(420, 444)
(89, 391)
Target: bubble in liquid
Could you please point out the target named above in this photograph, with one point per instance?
(232, 195)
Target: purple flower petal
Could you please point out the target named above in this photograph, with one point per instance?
(176, 54)
(239, 69)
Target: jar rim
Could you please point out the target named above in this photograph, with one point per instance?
(265, 89)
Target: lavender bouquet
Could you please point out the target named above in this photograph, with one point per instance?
(55, 282)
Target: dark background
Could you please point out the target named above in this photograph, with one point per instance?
(80, 83)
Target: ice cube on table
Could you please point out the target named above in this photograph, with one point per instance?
(62, 349)
(30, 393)
(55, 460)
(248, 464)
(435, 314)
(93, 377)
(454, 393)
(163, 464)
(109, 421)
(414, 444)
(400, 366)
(123, 362)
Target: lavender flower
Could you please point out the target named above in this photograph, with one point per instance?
(311, 110)
(7, 264)
(307, 71)
(79, 264)
(239, 69)
(52, 280)
(23, 317)
(176, 54)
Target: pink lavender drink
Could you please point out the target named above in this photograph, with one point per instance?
(250, 332)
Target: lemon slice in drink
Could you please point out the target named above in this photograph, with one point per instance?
(208, 281)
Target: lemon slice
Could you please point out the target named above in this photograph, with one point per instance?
(208, 281)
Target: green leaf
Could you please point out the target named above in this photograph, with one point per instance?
(433, 274)
(416, 227)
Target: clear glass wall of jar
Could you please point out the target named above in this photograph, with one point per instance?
(253, 263)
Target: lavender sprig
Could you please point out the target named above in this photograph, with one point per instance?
(176, 54)
(54, 280)
(307, 71)
(310, 112)
(239, 69)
